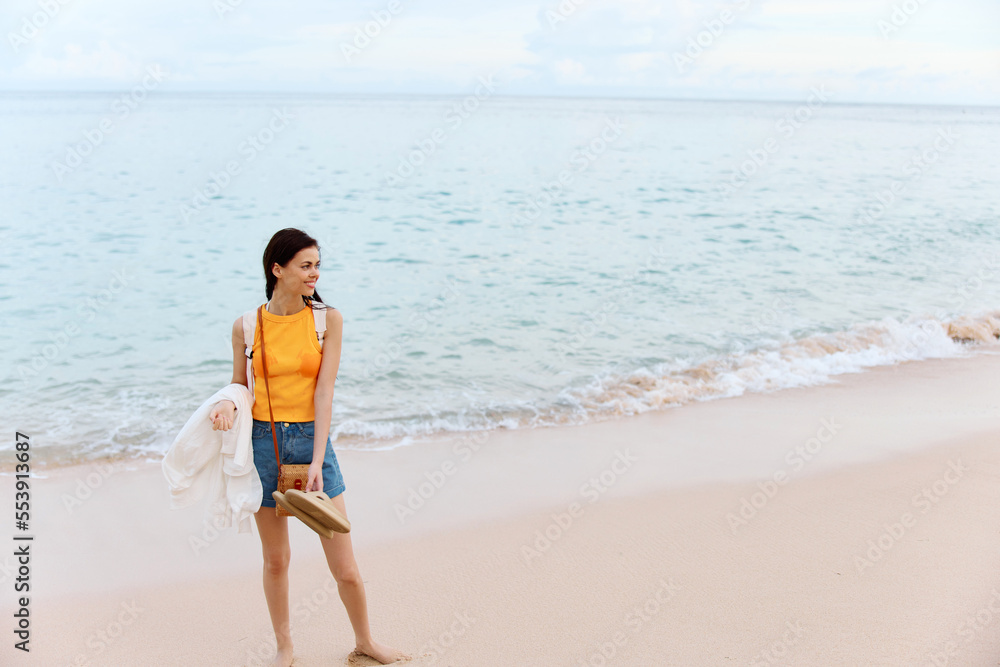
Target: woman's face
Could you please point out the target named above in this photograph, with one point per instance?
(299, 276)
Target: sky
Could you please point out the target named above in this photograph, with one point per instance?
(868, 51)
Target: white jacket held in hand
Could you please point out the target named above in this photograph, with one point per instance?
(203, 461)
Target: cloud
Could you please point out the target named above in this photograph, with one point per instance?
(770, 48)
(76, 61)
(570, 71)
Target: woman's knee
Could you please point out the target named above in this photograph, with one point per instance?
(276, 561)
(347, 573)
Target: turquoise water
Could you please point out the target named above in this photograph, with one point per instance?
(527, 262)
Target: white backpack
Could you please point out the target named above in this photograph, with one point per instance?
(250, 325)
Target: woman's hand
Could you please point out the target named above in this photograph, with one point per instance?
(315, 482)
(222, 415)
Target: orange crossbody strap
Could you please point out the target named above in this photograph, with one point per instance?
(263, 360)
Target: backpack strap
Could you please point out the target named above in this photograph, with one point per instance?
(249, 327)
(319, 316)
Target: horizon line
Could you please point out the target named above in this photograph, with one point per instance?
(194, 92)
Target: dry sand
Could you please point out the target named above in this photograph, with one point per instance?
(617, 543)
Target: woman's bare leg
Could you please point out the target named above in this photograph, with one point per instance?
(340, 557)
(273, 531)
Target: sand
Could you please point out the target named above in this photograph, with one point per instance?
(855, 523)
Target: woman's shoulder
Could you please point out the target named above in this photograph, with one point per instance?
(334, 320)
(330, 310)
(238, 322)
(242, 318)
(333, 316)
(238, 328)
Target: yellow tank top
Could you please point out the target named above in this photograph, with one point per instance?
(293, 359)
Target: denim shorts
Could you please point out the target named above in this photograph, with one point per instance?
(295, 442)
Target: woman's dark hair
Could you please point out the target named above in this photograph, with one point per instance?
(282, 247)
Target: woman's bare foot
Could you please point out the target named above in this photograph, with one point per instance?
(382, 654)
(283, 658)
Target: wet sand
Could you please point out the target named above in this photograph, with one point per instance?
(856, 523)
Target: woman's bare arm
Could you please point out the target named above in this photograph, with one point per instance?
(224, 412)
(239, 354)
(325, 381)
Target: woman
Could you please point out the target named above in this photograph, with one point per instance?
(301, 376)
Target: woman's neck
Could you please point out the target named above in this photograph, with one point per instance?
(285, 304)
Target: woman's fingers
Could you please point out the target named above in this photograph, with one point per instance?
(315, 481)
(220, 423)
(220, 419)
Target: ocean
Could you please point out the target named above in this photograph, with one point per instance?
(500, 262)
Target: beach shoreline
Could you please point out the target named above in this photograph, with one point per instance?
(729, 531)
